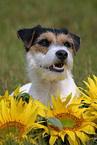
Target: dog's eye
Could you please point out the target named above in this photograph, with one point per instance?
(44, 42)
(67, 44)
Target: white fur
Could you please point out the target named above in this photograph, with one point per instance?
(46, 82)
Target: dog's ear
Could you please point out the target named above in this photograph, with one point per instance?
(27, 36)
(76, 41)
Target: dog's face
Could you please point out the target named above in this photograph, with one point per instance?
(49, 51)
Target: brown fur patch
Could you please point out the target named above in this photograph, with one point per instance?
(71, 50)
(59, 39)
(37, 48)
(62, 38)
(48, 35)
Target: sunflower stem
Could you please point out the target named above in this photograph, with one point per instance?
(47, 123)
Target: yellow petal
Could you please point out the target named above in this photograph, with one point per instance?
(35, 126)
(31, 118)
(48, 103)
(95, 78)
(71, 142)
(5, 112)
(76, 142)
(53, 101)
(58, 97)
(88, 129)
(26, 114)
(82, 136)
(6, 94)
(52, 140)
(42, 108)
(1, 118)
(16, 92)
(88, 123)
(87, 101)
(13, 109)
(54, 132)
(84, 94)
(67, 99)
(62, 135)
(57, 104)
(94, 113)
(71, 134)
(73, 100)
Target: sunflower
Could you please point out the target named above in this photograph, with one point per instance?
(18, 119)
(75, 124)
(91, 93)
(90, 97)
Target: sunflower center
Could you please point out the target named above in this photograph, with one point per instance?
(14, 127)
(68, 120)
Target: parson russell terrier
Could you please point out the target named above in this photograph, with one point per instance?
(49, 61)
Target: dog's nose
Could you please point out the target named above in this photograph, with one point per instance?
(62, 54)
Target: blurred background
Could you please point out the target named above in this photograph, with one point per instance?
(79, 16)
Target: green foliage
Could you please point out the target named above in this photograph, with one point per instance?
(25, 97)
(55, 122)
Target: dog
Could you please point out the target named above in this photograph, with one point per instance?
(49, 61)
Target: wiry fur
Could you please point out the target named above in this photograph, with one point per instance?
(45, 82)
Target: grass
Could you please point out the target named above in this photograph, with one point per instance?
(80, 17)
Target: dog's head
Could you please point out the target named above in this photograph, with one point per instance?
(49, 51)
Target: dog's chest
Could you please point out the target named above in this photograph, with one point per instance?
(44, 90)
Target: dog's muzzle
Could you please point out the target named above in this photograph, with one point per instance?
(59, 66)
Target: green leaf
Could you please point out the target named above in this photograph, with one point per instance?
(55, 122)
(25, 97)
